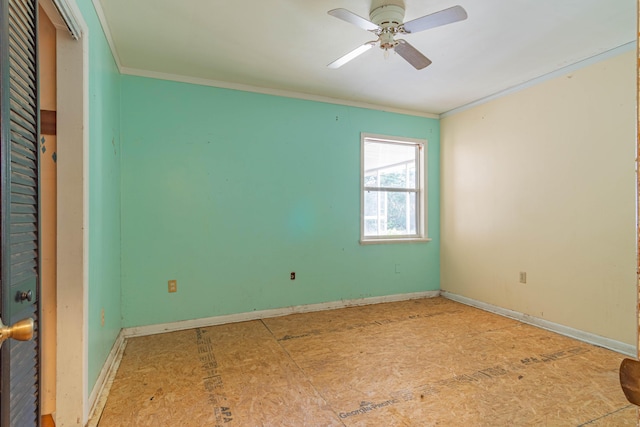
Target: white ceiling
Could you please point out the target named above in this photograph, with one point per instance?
(285, 45)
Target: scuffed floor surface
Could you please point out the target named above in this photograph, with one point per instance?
(429, 362)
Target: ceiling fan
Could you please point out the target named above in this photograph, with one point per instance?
(386, 23)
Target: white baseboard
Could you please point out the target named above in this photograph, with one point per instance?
(98, 396)
(138, 331)
(587, 337)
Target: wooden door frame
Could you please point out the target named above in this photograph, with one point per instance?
(638, 175)
(638, 180)
(72, 231)
(72, 59)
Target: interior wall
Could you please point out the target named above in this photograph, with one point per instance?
(104, 197)
(48, 206)
(542, 181)
(228, 192)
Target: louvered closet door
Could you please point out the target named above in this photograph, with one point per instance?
(19, 200)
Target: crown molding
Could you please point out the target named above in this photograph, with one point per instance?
(269, 91)
(107, 33)
(552, 75)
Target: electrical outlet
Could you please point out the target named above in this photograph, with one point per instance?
(102, 317)
(293, 275)
(523, 277)
(173, 286)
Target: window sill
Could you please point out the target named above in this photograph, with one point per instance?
(391, 240)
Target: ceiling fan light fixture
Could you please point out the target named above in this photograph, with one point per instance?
(387, 41)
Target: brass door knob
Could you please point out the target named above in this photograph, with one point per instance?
(21, 330)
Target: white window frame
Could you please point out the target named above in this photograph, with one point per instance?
(421, 194)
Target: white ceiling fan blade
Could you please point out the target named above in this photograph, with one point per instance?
(412, 55)
(354, 19)
(351, 55)
(444, 17)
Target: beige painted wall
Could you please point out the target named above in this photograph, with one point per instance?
(542, 181)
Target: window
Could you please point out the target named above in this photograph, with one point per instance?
(393, 207)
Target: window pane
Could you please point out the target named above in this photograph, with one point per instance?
(390, 165)
(370, 227)
(389, 213)
(371, 204)
(394, 176)
(401, 213)
(374, 213)
(371, 179)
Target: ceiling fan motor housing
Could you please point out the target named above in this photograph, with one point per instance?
(387, 16)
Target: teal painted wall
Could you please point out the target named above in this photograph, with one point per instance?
(229, 191)
(104, 195)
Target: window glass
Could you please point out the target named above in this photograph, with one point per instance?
(392, 189)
